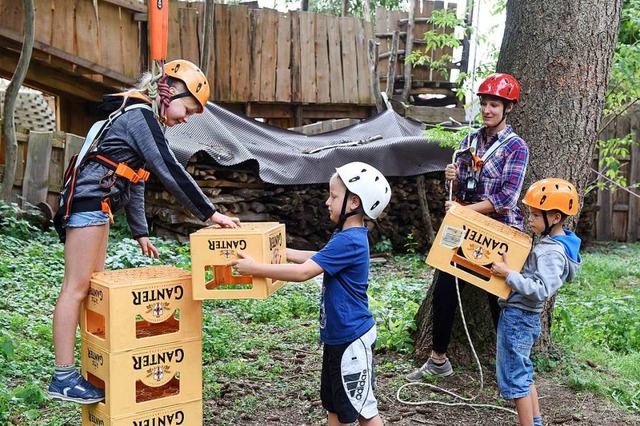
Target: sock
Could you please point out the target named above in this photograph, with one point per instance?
(537, 421)
(439, 363)
(65, 372)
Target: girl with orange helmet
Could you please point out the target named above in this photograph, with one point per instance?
(553, 261)
(110, 177)
(489, 182)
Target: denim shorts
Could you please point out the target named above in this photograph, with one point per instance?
(517, 330)
(84, 219)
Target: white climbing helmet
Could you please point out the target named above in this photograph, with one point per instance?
(369, 184)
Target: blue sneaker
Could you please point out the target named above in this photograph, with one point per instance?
(75, 389)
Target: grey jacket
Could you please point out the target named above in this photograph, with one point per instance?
(137, 139)
(547, 267)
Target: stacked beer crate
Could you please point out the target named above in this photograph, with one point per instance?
(142, 343)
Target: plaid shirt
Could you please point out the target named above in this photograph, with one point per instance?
(501, 176)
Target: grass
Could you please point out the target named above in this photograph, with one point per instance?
(270, 343)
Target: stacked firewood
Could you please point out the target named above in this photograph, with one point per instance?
(240, 192)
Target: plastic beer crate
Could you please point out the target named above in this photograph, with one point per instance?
(212, 248)
(132, 308)
(144, 379)
(185, 414)
(469, 242)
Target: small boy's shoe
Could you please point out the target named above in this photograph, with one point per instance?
(430, 368)
(75, 389)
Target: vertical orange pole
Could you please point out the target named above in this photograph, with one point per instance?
(158, 28)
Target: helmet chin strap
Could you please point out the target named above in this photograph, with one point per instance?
(547, 227)
(343, 212)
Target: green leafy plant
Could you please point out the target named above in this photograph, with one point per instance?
(612, 152)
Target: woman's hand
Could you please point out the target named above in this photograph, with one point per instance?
(225, 221)
(148, 249)
(451, 172)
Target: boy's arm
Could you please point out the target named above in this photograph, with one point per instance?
(246, 265)
(547, 278)
(299, 256)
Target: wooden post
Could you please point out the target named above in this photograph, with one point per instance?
(407, 51)
(36, 174)
(391, 70)
(633, 219)
(205, 60)
(375, 81)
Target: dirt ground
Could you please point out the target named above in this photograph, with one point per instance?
(560, 405)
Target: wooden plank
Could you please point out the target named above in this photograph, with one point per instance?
(283, 67)
(133, 5)
(269, 55)
(295, 57)
(335, 60)
(44, 21)
(62, 26)
(189, 33)
(362, 59)
(222, 82)
(12, 17)
(240, 53)
(130, 45)
(384, 44)
(308, 57)
(256, 55)
(394, 17)
(349, 59)
(323, 74)
(174, 49)
(110, 15)
(86, 28)
(36, 175)
(422, 11)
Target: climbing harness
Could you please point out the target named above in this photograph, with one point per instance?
(88, 152)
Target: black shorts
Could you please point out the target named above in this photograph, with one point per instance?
(347, 381)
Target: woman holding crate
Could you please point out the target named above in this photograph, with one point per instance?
(109, 176)
(488, 181)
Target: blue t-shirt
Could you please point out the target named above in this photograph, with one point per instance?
(344, 307)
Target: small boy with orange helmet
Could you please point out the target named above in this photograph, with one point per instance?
(347, 326)
(554, 260)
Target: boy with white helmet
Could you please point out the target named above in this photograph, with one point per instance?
(347, 327)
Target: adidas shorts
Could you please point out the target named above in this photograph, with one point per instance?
(347, 381)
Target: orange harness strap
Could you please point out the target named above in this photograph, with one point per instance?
(122, 169)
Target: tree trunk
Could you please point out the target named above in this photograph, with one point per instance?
(478, 318)
(9, 130)
(563, 95)
(561, 53)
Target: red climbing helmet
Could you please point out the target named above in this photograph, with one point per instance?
(501, 85)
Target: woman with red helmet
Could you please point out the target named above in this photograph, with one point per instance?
(488, 182)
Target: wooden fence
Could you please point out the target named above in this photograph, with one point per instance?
(618, 212)
(258, 55)
(42, 159)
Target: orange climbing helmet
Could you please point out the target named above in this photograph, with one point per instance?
(193, 78)
(501, 85)
(553, 194)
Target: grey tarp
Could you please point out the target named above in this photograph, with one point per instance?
(396, 147)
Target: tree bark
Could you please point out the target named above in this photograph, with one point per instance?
(561, 53)
(564, 75)
(9, 130)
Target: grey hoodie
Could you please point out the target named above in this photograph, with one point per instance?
(551, 262)
(137, 139)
